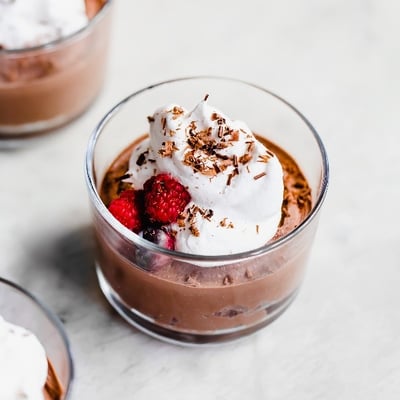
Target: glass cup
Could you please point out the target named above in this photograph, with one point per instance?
(44, 87)
(202, 299)
(19, 307)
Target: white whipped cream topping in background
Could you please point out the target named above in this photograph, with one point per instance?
(29, 23)
(245, 197)
(23, 364)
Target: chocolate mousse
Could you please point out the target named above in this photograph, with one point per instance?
(188, 300)
(44, 85)
(53, 389)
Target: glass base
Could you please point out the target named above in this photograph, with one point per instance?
(23, 130)
(150, 327)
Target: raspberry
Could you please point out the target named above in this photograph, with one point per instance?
(164, 198)
(128, 208)
(159, 236)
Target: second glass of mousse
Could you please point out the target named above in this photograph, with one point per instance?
(205, 195)
(52, 62)
(35, 356)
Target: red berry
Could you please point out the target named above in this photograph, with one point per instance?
(164, 198)
(128, 208)
(160, 236)
(129, 194)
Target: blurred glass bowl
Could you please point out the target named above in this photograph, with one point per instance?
(46, 86)
(19, 307)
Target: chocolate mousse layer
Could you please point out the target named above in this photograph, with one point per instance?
(53, 389)
(45, 87)
(187, 298)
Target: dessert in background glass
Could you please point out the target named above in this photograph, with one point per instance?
(45, 85)
(190, 298)
(21, 312)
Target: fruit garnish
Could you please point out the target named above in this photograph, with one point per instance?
(128, 209)
(159, 236)
(164, 198)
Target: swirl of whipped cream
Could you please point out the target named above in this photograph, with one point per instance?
(28, 23)
(235, 182)
(23, 364)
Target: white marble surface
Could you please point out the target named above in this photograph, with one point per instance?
(338, 61)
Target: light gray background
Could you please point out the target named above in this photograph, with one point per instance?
(338, 61)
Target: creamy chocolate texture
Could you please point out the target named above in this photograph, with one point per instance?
(45, 87)
(53, 389)
(194, 300)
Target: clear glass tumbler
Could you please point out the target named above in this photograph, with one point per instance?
(19, 307)
(205, 299)
(44, 87)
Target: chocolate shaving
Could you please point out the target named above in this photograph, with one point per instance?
(235, 136)
(168, 149)
(228, 280)
(225, 224)
(191, 280)
(221, 121)
(204, 154)
(208, 215)
(121, 178)
(258, 176)
(270, 153)
(181, 220)
(150, 119)
(214, 116)
(248, 274)
(176, 112)
(244, 159)
(263, 158)
(194, 230)
(250, 146)
(235, 160)
(142, 158)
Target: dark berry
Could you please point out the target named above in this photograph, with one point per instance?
(159, 236)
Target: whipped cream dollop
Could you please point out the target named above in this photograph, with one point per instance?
(29, 23)
(235, 182)
(23, 364)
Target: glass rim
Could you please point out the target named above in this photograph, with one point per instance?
(54, 320)
(62, 40)
(235, 257)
